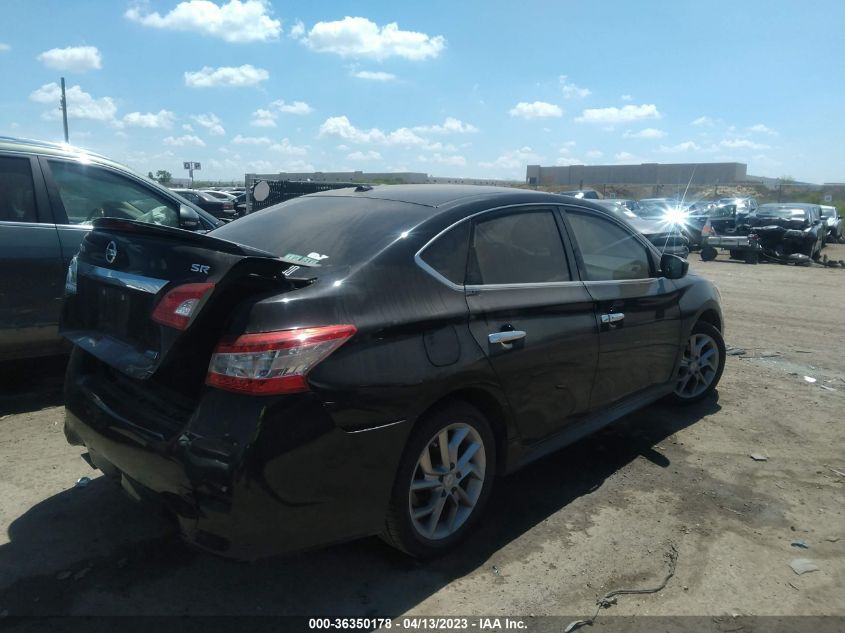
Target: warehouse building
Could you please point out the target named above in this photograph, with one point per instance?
(578, 176)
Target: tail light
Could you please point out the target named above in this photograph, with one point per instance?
(179, 306)
(707, 229)
(228, 206)
(273, 362)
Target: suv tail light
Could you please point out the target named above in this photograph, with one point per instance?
(273, 362)
(707, 229)
(179, 306)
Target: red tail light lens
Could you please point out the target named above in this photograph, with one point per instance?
(180, 305)
(273, 362)
(707, 229)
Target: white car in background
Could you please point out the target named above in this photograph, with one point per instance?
(831, 217)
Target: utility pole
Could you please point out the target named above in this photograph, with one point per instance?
(64, 109)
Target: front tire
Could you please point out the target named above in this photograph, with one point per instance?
(701, 366)
(708, 253)
(443, 482)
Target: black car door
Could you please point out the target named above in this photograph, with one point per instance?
(534, 320)
(639, 313)
(31, 272)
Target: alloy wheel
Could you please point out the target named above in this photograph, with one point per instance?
(699, 366)
(447, 481)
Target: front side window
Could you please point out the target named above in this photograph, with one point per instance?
(89, 192)
(609, 252)
(518, 248)
(17, 194)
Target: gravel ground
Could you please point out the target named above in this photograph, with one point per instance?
(597, 516)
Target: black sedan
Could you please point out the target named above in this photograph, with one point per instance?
(368, 361)
(220, 209)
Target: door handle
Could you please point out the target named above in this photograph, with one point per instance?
(612, 317)
(505, 338)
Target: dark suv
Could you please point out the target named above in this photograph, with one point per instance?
(49, 195)
(367, 361)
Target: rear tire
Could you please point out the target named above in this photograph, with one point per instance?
(435, 504)
(708, 253)
(751, 257)
(701, 366)
(736, 255)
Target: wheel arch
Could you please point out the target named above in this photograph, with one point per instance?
(492, 407)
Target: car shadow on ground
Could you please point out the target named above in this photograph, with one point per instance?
(31, 384)
(93, 551)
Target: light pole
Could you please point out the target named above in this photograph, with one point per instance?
(63, 103)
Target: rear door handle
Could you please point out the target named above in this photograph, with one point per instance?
(505, 338)
(612, 317)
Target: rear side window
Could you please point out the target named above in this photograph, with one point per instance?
(609, 251)
(448, 253)
(17, 194)
(518, 248)
(89, 192)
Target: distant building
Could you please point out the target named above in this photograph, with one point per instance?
(577, 176)
(398, 177)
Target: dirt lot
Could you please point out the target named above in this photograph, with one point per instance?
(594, 517)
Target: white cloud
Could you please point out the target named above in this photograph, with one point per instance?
(251, 140)
(340, 127)
(686, 146)
(627, 157)
(80, 104)
(359, 37)
(626, 98)
(514, 159)
(594, 153)
(208, 77)
(297, 31)
(535, 110)
(374, 75)
(451, 160)
(210, 122)
(703, 121)
(4, 47)
(187, 127)
(763, 129)
(184, 141)
(568, 160)
(741, 143)
(649, 132)
(371, 155)
(263, 118)
(73, 58)
(570, 90)
(288, 149)
(297, 107)
(450, 126)
(233, 21)
(613, 115)
(162, 119)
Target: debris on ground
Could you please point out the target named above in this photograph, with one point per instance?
(757, 457)
(832, 539)
(803, 566)
(82, 482)
(833, 470)
(800, 544)
(609, 598)
(734, 351)
(496, 570)
(809, 379)
(826, 388)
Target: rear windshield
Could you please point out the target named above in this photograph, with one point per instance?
(782, 212)
(333, 230)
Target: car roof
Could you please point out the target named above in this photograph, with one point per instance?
(429, 195)
(59, 150)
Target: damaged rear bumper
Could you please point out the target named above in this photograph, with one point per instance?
(247, 477)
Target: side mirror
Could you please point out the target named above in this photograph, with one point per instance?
(188, 218)
(673, 267)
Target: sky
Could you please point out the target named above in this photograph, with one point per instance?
(462, 89)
